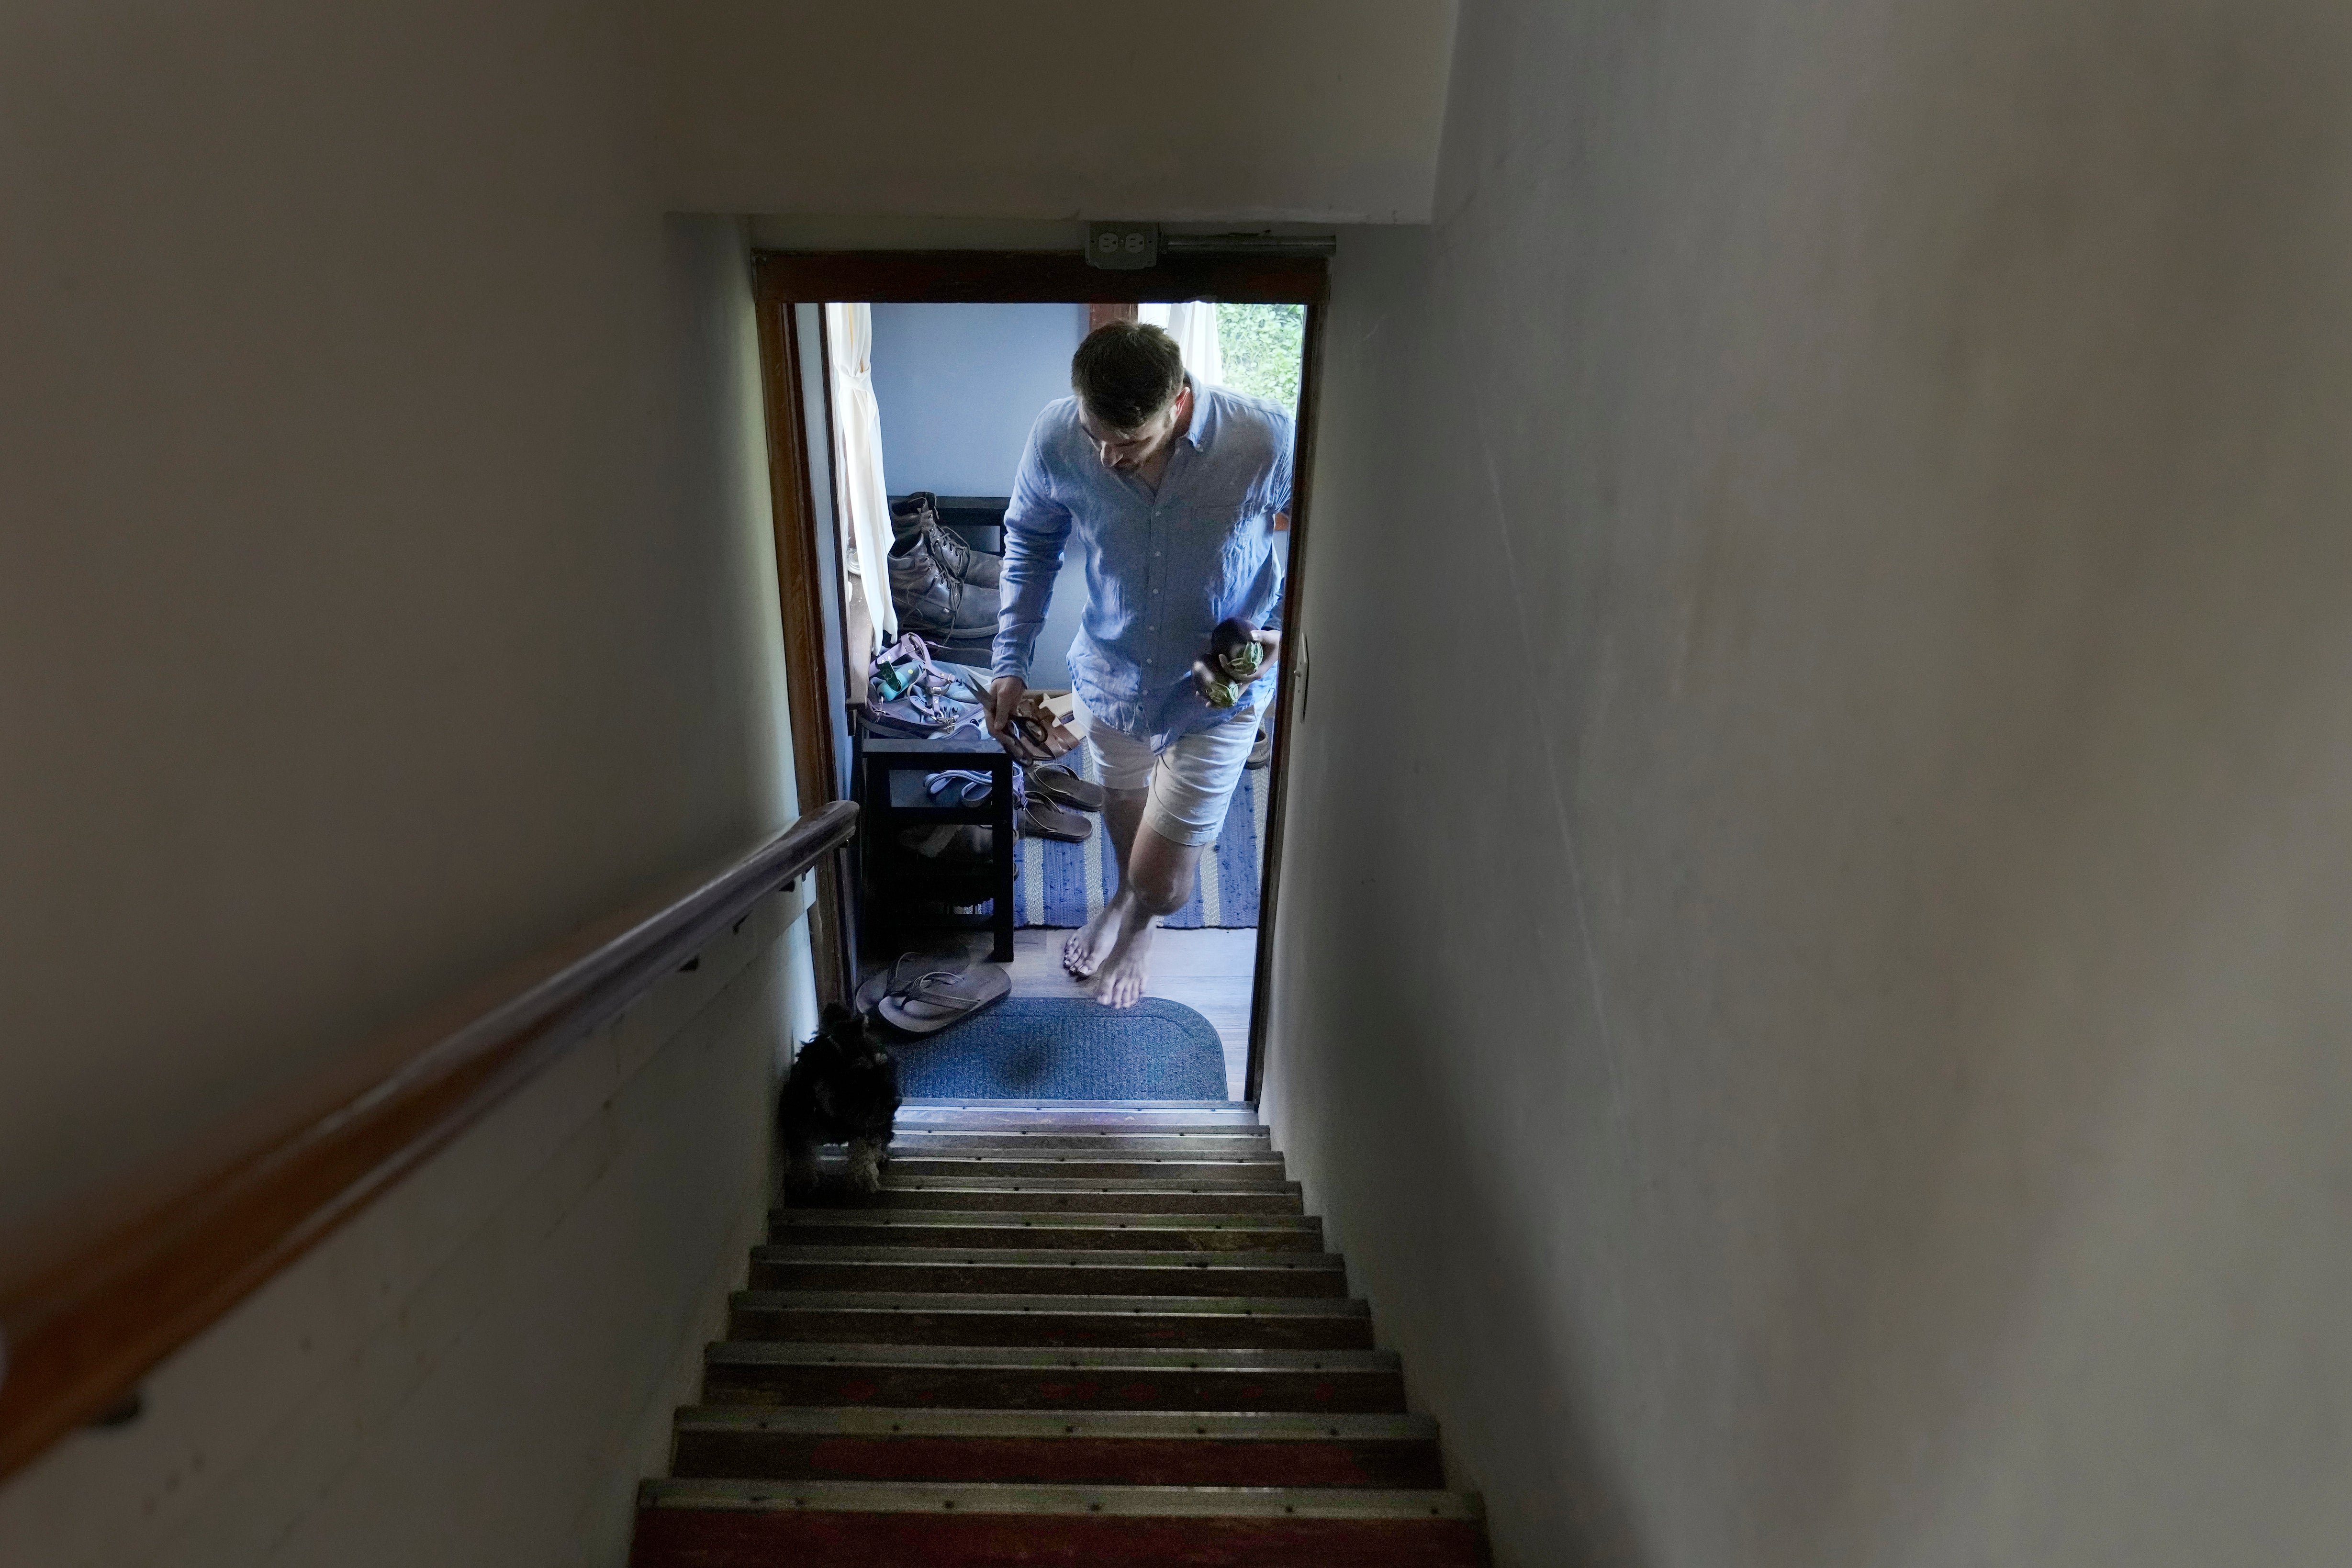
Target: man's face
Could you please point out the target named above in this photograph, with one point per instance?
(1125, 451)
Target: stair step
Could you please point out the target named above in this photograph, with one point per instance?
(1164, 1123)
(1254, 1143)
(991, 1177)
(908, 1268)
(1070, 1197)
(1124, 1502)
(863, 1524)
(1048, 1110)
(1181, 1448)
(996, 1169)
(1166, 1321)
(756, 1372)
(1036, 1229)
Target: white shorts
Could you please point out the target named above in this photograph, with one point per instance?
(1190, 782)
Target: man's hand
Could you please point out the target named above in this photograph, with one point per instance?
(1215, 680)
(1272, 642)
(1004, 695)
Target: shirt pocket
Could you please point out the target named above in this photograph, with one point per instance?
(1239, 562)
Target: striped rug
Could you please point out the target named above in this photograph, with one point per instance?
(1062, 884)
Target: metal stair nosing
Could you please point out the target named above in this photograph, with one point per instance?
(986, 1497)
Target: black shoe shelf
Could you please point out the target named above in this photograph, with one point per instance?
(911, 900)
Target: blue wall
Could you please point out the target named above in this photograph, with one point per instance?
(959, 386)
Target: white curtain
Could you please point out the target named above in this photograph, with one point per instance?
(858, 463)
(1193, 324)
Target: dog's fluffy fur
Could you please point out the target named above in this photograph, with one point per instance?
(842, 1088)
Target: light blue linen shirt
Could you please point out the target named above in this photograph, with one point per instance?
(1162, 569)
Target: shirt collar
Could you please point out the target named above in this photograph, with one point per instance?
(1201, 430)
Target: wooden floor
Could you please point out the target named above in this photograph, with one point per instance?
(1209, 971)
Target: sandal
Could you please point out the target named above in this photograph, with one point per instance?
(900, 974)
(957, 787)
(945, 996)
(1063, 786)
(1039, 819)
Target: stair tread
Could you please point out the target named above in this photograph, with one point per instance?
(1043, 1219)
(986, 1496)
(995, 1171)
(986, 1149)
(921, 1421)
(786, 1352)
(975, 1120)
(1047, 1109)
(1223, 1142)
(1007, 1304)
(1056, 1258)
(979, 1181)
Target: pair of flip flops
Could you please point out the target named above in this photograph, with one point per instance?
(957, 787)
(923, 992)
(1048, 792)
(1063, 786)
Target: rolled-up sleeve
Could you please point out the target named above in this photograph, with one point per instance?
(1035, 529)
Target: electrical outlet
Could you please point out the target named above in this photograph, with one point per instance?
(1123, 246)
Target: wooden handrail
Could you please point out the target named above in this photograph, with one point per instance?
(94, 1296)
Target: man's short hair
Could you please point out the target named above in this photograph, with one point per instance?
(1125, 372)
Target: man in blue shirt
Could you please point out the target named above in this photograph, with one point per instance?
(1173, 488)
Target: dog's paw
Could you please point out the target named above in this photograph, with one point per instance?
(866, 1168)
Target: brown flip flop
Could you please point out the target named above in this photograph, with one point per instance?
(940, 997)
(1039, 820)
(1063, 786)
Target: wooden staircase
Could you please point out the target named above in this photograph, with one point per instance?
(1067, 1332)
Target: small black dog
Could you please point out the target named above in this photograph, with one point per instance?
(842, 1088)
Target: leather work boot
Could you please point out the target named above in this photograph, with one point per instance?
(932, 604)
(919, 514)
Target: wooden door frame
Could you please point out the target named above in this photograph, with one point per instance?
(785, 278)
(807, 700)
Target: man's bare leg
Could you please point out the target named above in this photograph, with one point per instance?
(1156, 878)
(1122, 813)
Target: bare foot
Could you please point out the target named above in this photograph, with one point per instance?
(1120, 980)
(1092, 942)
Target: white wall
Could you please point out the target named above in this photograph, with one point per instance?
(1320, 109)
(366, 617)
(478, 1369)
(385, 586)
(1821, 1024)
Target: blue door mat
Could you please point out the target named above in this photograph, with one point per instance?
(1067, 1047)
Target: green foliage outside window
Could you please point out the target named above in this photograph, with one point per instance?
(1263, 347)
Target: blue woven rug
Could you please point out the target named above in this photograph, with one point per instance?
(1067, 1047)
(1063, 884)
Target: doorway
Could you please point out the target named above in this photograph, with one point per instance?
(954, 355)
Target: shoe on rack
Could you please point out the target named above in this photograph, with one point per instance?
(1064, 786)
(918, 514)
(1039, 818)
(933, 605)
(967, 842)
